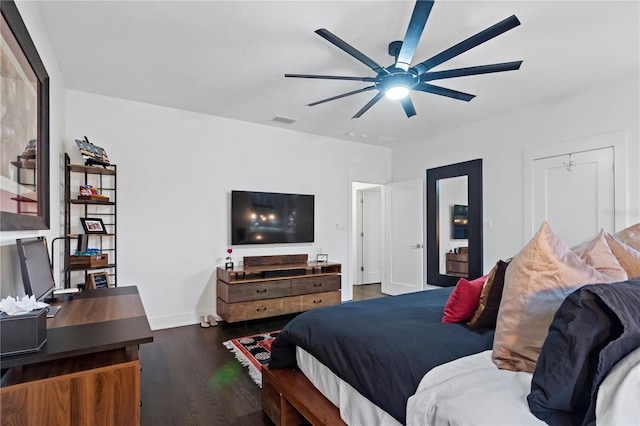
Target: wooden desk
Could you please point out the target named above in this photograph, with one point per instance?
(88, 372)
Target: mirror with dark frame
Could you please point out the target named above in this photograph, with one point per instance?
(24, 166)
(454, 223)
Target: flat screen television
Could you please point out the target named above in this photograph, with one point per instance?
(35, 265)
(460, 225)
(271, 218)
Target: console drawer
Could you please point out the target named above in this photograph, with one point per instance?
(233, 312)
(316, 300)
(315, 284)
(234, 293)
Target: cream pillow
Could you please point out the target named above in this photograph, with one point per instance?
(628, 258)
(630, 236)
(536, 282)
(598, 254)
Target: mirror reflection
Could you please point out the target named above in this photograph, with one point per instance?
(453, 230)
(454, 222)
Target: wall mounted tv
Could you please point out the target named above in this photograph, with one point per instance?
(460, 228)
(271, 218)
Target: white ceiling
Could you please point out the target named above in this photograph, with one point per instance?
(228, 58)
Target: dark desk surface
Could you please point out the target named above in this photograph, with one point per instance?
(94, 321)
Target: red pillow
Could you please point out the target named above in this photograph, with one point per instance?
(463, 301)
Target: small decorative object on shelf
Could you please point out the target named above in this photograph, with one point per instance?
(30, 150)
(93, 261)
(89, 192)
(229, 263)
(91, 153)
(89, 252)
(93, 225)
(322, 258)
(97, 280)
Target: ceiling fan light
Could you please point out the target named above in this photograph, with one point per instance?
(397, 92)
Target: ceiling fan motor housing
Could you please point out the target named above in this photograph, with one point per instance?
(397, 77)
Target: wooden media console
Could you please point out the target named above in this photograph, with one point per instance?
(268, 286)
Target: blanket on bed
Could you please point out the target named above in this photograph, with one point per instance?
(381, 347)
(594, 328)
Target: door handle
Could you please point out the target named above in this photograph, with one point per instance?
(417, 246)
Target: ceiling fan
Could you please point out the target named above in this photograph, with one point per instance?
(397, 80)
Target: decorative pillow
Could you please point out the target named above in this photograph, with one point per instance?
(536, 282)
(628, 258)
(597, 254)
(630, 236)
(487, 312)
(463, 300)
(594, 328)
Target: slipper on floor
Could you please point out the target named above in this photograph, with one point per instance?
(212, 321)
(204, 323)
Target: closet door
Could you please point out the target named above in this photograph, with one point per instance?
(575, 193)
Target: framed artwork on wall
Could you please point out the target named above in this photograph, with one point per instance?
(24, 173)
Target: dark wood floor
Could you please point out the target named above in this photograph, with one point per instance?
(189, 378)
(367, 291)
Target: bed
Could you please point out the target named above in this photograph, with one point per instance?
(392, 361)
(372, 386)
(373, 344)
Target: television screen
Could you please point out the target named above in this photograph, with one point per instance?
(460, 228)
(271, 218)
(35, 265)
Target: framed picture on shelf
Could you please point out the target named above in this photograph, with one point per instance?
(97, 280)
(322, 258)
(93, 225)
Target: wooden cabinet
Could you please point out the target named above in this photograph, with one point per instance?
(86, 390)
(272, 286)
(88, 372)
(458, 263)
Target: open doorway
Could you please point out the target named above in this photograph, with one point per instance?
(368, 240)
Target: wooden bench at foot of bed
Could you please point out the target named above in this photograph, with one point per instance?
(290, 399)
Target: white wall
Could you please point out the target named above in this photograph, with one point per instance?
(10, 276)
(175, 173)
(501, 141)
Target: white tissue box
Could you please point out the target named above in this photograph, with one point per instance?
(23, 333)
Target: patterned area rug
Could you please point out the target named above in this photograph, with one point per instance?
(253, 352)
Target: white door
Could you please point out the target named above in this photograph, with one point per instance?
(575, 194)
(404, 219)
(370, 233)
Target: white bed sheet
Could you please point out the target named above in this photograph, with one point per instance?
(355, 409)
(473, 391)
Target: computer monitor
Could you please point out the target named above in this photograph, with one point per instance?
(37, 274)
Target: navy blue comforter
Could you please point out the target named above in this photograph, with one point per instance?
(381, 347)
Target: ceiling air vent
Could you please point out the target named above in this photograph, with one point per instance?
(284, 120)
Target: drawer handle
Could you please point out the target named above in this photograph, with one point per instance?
(317, 284)
(261, 309)
(264, 290)
(317, 301)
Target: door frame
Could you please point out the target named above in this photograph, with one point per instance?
(355, 187)
(615, 139)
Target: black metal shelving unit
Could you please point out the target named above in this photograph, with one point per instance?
(105, 178)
